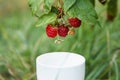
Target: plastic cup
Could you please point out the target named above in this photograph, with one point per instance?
(60, 66)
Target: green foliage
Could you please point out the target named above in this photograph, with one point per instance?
(40, 7)
(46, 19)
(112, 9)
(20, 47)
(48, 4)
(35, 5)
(68, 4)
(21, 43)
(82, 9)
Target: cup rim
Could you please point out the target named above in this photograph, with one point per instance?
(53, 66)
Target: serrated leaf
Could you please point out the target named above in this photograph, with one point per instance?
(55, 10)
(46, 19)
(84, 10)
(40, 7)
(35, 4)
(68, 4)
(49, 3)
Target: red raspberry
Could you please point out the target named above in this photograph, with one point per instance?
(51, 31)
(75, 22)
(63, 31)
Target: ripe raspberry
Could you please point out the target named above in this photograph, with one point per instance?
(63, 31)
(51, 31)
(75, 22)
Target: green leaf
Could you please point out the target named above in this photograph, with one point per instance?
(46, 19)
(68, 4)
(35, 5)
(49, 3)
(116, 70)
(55, 10)
(40, 7)
(84, 10)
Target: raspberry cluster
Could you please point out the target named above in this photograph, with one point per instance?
(63, 28)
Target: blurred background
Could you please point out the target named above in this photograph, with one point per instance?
(21, 42)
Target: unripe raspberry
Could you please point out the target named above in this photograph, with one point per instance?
(71, 32)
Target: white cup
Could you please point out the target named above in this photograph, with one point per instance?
(60, 66)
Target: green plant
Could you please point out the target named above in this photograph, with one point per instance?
(57, 12)
(21, 43)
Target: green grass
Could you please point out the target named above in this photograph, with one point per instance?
(21, 42)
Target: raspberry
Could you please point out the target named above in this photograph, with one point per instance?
(63, 31)
(75, 22)
(51, 31)
(71, 32)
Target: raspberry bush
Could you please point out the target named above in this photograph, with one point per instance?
(21, 42)
(64, 15)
